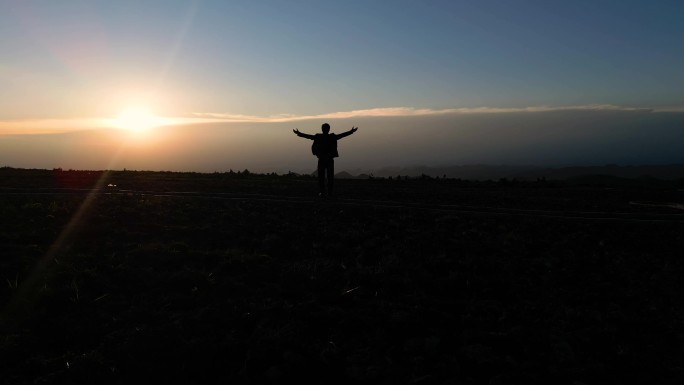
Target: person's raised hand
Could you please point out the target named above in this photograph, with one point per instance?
(296, 131)
(354, 129)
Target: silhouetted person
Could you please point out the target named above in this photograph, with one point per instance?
(325, 148)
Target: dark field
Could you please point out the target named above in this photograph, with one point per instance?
(237, 278)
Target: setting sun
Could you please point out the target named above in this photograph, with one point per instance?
(137, 120)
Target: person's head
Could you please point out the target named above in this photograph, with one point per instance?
(325, 128)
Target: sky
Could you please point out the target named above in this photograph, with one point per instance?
(213, 85)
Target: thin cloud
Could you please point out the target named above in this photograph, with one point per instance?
(49, 126)
(65, 125)
(406, 112)
(669, 109)
(53, 126)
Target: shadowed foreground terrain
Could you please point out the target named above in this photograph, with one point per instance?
(210, 278)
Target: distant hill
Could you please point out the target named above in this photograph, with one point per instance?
(344, 175)
(667, 172)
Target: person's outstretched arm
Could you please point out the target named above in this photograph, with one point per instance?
(303, 135)
(342, 135)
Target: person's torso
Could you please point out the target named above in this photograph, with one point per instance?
(327, 145)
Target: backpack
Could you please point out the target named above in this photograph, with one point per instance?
(316, 147)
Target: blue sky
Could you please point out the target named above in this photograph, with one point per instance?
(304, 57)
(75, 61)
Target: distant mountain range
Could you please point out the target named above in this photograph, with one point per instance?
(493, 172)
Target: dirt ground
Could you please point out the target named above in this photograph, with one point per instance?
(149, 277)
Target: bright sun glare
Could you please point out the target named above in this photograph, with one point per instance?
(137, 120)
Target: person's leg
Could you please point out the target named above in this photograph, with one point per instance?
(331, 176)
(321, 176)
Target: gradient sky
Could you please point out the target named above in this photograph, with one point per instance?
(70, 65)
